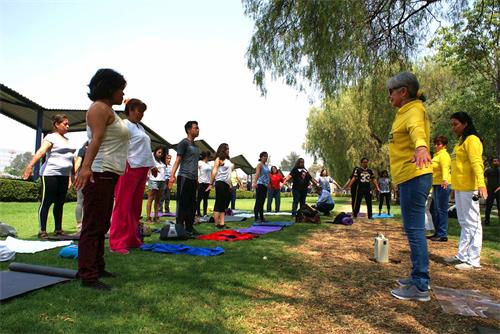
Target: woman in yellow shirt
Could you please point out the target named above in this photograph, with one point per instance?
(441, 188)
(411, 169)
(467, 172)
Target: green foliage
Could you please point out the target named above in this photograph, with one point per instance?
(25, 191)
(18, 164)
(335, 43)
(289, 161)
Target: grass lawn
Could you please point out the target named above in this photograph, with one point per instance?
(316, 279)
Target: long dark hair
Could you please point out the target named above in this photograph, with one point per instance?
(464, 118)
(162, 158)
(222, 152)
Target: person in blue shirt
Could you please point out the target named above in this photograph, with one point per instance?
(325, 202)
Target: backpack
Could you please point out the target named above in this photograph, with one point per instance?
(7, 230)
(343, 219)
(307, 214)
(173, 232)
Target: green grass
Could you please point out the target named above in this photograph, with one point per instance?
(158, 293)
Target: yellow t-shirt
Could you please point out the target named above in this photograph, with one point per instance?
(467, 167)
(441, 167)
(410, 129)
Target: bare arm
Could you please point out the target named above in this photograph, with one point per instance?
(171, 180)
(214, 173)
(257, 175)
(44, 148)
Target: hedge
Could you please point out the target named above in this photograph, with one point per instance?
(25, 191)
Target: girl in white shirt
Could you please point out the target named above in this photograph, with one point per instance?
(221, 175)
(129, 190)
(204, 173)
(156, 183)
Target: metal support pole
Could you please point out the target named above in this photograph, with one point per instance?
(38, 141)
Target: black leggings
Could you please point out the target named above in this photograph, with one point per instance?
(186, 201)
(54, 189)
(387, 197)
(202, 195)
(260, 199)
(360, 193)
(222, 196)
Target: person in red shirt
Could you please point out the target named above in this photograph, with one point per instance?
(276, 180)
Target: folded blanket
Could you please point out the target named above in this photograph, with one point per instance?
(227, 235)
(182, 249)
(263, 229)
(28, 246)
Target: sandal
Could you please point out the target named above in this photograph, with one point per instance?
(220, 227)
(59, 233)
(43, 235)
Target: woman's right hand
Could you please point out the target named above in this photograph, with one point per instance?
(483, 192)
(27, 172)
(209, 187)
(84, 176)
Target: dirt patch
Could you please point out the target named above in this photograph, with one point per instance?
(347, 292)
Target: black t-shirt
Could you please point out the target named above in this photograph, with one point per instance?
(492, 177)
(301, 178)
(363, 177)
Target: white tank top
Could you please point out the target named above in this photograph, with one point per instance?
(112, 155)
(224, 172)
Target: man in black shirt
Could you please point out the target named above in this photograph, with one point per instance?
(493, 186)
(360, 181)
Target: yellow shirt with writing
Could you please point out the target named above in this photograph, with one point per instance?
(467, 167)
(410, 129)
(441, 167)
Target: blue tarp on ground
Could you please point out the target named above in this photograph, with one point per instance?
(182, 249)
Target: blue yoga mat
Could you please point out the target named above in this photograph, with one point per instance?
(384, 215)
(182, 249)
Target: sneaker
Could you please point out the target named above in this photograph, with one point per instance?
(465, 266)
(431, 236)
(122, 251)
(107, 274)
(408, 281)
(440, 239)
(410, 292)
(98, 285)
(452, 259)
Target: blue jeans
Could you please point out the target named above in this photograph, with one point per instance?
(440, 199)
(299, 196)
(273, 193)
(413, 195)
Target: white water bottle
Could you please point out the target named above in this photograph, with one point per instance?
(381, 249)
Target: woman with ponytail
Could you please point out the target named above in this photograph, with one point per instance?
(129, 190)
(260, 183)
(467, 172)
(411, 169)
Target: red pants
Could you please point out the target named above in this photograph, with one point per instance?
(129, 194)
(97, 208)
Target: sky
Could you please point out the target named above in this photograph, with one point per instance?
(184, 59)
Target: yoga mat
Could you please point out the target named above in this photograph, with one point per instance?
(281, 213)
(226, 219)
(23, 278)
(163, 214)
(383, 215)
(227, 235)
(263, 229)
(182, 249)
(282, 224)
(73, 237)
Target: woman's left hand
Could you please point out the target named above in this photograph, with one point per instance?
(422, 158)
(483, 192)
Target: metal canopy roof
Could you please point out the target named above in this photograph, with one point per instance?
(25, 111)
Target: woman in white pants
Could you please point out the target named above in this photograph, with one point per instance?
(467, 172)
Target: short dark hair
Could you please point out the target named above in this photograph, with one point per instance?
(132, 104)
(362, 159)
(222, 151)
(441, 140)
(58, 119)
(204, 154)
(189, 125)
(104, 83)
(262, 154)
(384, 172)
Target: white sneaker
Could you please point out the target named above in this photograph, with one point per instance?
(465, 266)
(452, 259)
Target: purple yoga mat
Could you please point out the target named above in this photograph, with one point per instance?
(163, 214)
(260, 229)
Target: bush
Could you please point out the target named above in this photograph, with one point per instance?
(26, 191)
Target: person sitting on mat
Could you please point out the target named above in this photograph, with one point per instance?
(325, 202)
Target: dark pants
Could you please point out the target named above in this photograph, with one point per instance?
(260, 199)
(233, 197)
(186, 201)
(492, 196)
(387, 197)
(54, 189)
(276, 194)
(360, 193)
(354, 189)
(440, 198)
(202, 195)
(299, 196)
(325, 208)
(98, 206)
(165, 199)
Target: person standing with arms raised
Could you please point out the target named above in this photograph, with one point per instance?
(104, 162)
(187, 164)
(411, 169)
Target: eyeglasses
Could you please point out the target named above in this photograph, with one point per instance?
(391, 90)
